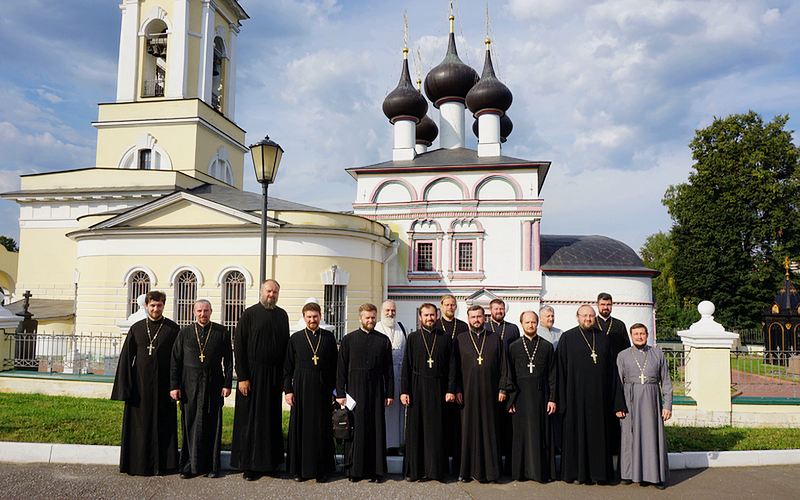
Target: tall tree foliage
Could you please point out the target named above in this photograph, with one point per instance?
(737, 216)
(673, 312)
(9, 243)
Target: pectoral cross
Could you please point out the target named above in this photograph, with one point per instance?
(315, 358)
(480, 360)
(594, 357)
(530, 366)
(202, 357)
(430, 362)
(150, 349)
(642, 377)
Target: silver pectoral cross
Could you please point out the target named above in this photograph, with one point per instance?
(594, 357)
(642, 377)
(530, 366)
(150, 349)
(430, 362)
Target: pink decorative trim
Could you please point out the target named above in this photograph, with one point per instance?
(464, 276)
(413, 276)
(472, 213)
(517, 204)
(470, 220)
(537, 246)
(456, 180)
(486, 178)
(412, 193)
(591, 302)
(526, 245)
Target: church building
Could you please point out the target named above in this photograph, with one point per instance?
(164, 206)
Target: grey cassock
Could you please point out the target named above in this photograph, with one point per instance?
(395, 414)
(643, 450)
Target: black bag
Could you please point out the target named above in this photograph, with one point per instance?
(342, 423)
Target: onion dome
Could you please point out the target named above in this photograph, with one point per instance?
(451, 79)
(427, 131)
(405, 101)
(489, 93)
(506, 126)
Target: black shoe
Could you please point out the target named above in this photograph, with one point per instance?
(213, 475)
(376, 479)
(354, 479)
(464, 479)
(625, 481)
(298, 479)
(249, 475)
(322, 478)
(186, 475)
(410, 479)
(661, 486)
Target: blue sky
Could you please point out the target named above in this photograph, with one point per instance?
(609, 91)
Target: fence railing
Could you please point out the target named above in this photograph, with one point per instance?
(767, 374)
(64, 353)
(676, 362)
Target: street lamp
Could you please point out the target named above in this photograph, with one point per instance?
(266, 160)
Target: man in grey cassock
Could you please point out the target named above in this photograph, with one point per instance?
(395, 414)
(648, 396)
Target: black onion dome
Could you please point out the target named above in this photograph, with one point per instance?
(451, 79)
(427, 131)
(506, 126)
(405, 100)
(489, 92)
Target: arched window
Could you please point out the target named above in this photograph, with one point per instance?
(154, 69)
(425, 252)
(466, 251)
(234, 287)
(138, 284)
(185, 295)
(218, 75)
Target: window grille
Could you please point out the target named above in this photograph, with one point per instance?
(185, 295)
(465, 262)
(145, 159)
(233, 299)
(424, 256)
(334, 310)
(138, 284)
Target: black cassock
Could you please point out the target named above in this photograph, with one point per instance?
(426, 384)
(365, 372)
(508, 332)
(588, 395)
(150, 418)
(480, 384)
(310, 452)
(201, 384)
(616, 332)
(452, 411)
(532, 385)
(260, 342)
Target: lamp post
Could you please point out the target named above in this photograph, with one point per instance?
(266, 160)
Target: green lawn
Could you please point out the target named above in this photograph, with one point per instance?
(59, 419)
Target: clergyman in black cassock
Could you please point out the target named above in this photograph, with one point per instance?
(508, 333)
(451, 326)
(532, 399)
(481, 359)
(427, 382)
(366, 374)
(309, 382)
(149, 421)
(201, 375)
(589, 395)
(260, 341)
(615, 331)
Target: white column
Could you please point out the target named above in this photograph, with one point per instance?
(230, 78)
(451, 125)
(128, 45)
(489, 134)
(178, 50)
(206, 53)
(405, 137)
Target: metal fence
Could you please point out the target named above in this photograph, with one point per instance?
(767, 374)
(676, 362)
(747, 336)
(64, 353)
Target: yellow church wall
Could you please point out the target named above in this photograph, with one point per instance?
(206, 146)
(90, 178)
(113, 143)
(9, 261)
(331, 220)
(56, 325)
(185, 214)
(103, 296)
(46, 263)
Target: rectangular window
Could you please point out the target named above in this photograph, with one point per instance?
(465, 262)
(334, 307)
(145, 159)
(424, 256)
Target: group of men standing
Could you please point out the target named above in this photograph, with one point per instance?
(477, 399)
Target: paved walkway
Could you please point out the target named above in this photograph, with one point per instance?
(751, 384)
(100, 481)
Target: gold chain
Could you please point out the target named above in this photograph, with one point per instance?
(475, 345)
(150, 345)
(433, 347)
(531, 364)
(314, 350)
(202, 345)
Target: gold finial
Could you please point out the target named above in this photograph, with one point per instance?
(405, 52)
(452, 19)
(488, 42)
(786, 266)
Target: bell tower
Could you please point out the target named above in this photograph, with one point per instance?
(176, 85)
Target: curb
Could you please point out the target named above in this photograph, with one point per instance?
(109, 455)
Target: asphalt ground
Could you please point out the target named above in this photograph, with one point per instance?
(26, 481)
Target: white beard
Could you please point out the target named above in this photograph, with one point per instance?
(388, 323)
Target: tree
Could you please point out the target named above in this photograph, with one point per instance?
(9, 243)
(673, 312)
(737, 216)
